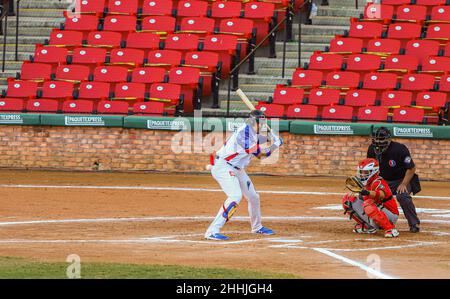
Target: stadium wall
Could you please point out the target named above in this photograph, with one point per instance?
(124, 149)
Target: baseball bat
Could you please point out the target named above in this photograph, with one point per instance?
(248, 103)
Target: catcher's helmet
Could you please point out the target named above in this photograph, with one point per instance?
(367, 171)
(381, 139)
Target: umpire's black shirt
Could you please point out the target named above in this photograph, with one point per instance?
(394, 162)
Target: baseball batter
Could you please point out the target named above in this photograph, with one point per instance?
(229, 171)
(375, 207)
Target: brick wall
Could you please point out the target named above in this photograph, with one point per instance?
(119, 149)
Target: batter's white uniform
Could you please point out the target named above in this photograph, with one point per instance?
(229, 172)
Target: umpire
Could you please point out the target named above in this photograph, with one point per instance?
(398, 169)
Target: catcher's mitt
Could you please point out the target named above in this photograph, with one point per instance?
(354, 184)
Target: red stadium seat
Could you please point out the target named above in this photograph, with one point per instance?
(161, 25)
(440, 13)
(396, 2)
(307, 78)
(94, 90)
(343, 79)
(143, 40)
(82, 23)
(323, 96)
(447, 50)
(113, 107)
(373, 113)
(436, 64)
(225, 10)
(302, 111)
(398, 98)
(119, 23)
(226, 46)
(363, 62)
(404, 30)
(439, 31)
(285, 95)
(110, 74)
(35, 71)
(168, 93)
(422, 48)
(57, 89)
(12, 105)
(239, 27)
(148, 108)
(208, 63)
(128, 57)
(91, 6)
(411, 13)
(55, 55)
(130, 91)
(157, 8)
(89, 56)
(346, 45)
(182, 42)
(408, 115)
(337, 113)
(197, 25)
(72, 72)
(42, 105)
(380, 12)
(192, 8)
(271, 110)
(431, 99)
(416, 82)
(365, 29)
(380, 81)
(123, 7)
(383, 46)
(444, 83)
(148, 75)
(324, 61)
(430, 2)
(360, 97)
(105, 39)
(164, 58)
(262, 14)
(401, 63)
(66, 38)
(189, 79)
(78, 106)
(21, 89)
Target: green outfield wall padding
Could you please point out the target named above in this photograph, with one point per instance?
(82, 120)
(20, 119)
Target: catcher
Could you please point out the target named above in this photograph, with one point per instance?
(371, 203)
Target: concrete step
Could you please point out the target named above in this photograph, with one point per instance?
(346, 3)
(331, 21)
(30, 31)
(52, 4)
(319, 29)
(331, 11)
(28, 48)
(35, 21)
(319, 38)
(307, 47)
(277, 72)
(39, 12)
(28, 40)
(11, 56)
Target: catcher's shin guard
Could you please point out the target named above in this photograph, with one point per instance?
(379, 217)
(229, 210)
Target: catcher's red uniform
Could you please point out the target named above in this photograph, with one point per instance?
(373, 206)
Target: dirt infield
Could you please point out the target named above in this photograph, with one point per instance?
(161, 218)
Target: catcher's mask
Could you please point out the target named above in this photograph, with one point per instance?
(367, 169)
(381, 139)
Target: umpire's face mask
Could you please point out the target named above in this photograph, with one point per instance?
(380, 145)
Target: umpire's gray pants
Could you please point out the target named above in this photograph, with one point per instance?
(406, 202)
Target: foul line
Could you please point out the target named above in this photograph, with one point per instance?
(354, 263)
(191, 189)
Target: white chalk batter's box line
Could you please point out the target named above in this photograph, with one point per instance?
(152, 188)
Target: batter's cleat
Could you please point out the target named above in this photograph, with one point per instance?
(414, 228)
(217, 237)
(392, 233)
(360, 229)
(265, 231)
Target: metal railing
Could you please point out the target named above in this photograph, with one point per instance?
(8, 10)
(288, 20)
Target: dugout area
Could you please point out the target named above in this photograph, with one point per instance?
(125, 218)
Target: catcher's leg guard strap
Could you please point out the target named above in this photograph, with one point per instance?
(229, 210)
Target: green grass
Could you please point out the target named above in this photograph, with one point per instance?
(12, 267)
